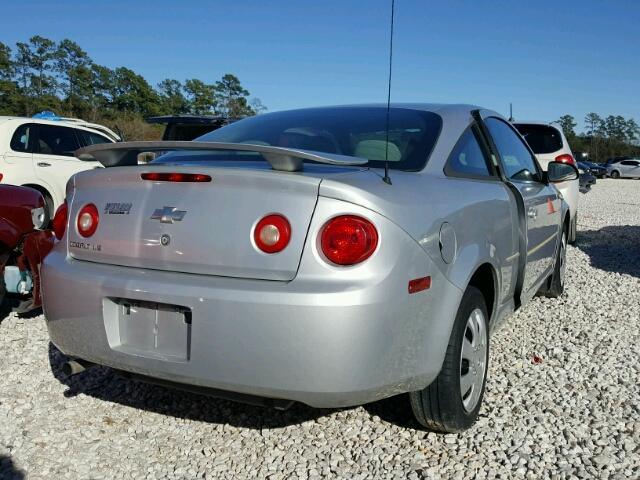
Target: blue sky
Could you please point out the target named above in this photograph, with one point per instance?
(548, 58)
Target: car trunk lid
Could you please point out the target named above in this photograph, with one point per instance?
(193, 227)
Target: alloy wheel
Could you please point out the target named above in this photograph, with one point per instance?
(473, 359)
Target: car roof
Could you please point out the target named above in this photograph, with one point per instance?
(533, 122)
(453, 115)
(67, 122)
(444, 108)
(188, 119)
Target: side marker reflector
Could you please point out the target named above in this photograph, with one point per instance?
(419, 284)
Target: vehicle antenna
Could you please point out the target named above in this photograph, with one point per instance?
(386, 178)
(510, 112)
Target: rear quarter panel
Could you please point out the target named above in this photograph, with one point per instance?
(482, 215)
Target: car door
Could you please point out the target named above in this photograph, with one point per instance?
(20, 156)
(541, 202)
(53, 159)
(630, 168)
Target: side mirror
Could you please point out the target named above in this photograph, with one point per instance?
(561, 172)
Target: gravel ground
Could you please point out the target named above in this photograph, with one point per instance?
(563, 397)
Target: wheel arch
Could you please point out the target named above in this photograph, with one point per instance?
(41, 188)
(46, 192)
(485, 279)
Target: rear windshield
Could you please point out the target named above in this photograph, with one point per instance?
(353, 131)
(541, 138)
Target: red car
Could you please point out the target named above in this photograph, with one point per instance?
(24, 243)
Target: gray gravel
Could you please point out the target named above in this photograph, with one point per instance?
(574, 412)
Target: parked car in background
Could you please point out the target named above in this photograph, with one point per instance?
(550, 145)
(23, 244)
(322, 279)
(596, 169)
(629, 168)
(38, 152)
(188, 127)
(617, 159)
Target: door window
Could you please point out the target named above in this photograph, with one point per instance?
(517, 160)
(467, 159)
(21, 138)
(54, 140)
(630, 163)
(90, 138)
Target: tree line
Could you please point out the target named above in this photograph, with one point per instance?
(60, 76)
(603, 137)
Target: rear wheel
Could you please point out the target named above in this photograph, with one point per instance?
(452, 402)
(615, 174)
(573, 230)
(48, 201)
(556, 285)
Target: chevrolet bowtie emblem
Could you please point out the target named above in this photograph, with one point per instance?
(168, 214)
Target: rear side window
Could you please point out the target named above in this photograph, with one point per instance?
(630, 163)
(541, 138)
(90, 138)
(467, 159)
(20, 142)
(54, 140)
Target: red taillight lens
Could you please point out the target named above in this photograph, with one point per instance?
(175, 177)
(272, 233)
(88, 219)
(566, 158)
(60, 220)
(347, 240)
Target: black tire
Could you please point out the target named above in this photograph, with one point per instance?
(615, 174)
(556, 285)
(441, 406)
(573, 230)
(48, 201)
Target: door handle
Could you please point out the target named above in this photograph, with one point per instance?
(44, 164)
(532, 213)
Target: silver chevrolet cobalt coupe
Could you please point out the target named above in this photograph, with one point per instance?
(277, 259)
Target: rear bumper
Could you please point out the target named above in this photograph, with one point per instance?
(298, 340)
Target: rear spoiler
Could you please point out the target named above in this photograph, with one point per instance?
(280, 158)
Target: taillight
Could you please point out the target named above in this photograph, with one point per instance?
(566, 158)
(175, 177)
(60, 220)
(272, 233)
(347, 239)
(88, 219)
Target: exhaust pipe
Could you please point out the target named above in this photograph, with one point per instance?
(73, 367)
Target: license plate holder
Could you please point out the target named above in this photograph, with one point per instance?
(154, 330)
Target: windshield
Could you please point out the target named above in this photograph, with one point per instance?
(352, 131)
(541, 138)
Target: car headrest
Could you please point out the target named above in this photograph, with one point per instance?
(376, 149)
